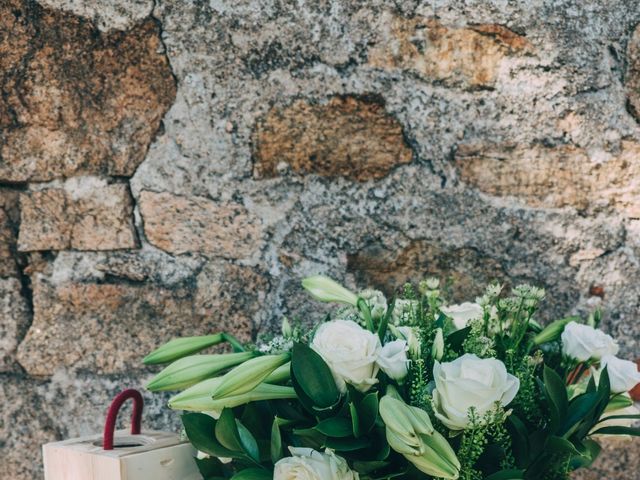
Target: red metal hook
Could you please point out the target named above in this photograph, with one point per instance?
(112, 414)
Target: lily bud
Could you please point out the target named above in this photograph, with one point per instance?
(249, 375)
(618, 402)
(198, 398)
(181, 347)
(190, 370)
(437, 350)
(287, 331)
(325, 289)
(410, 432)
(552, 331)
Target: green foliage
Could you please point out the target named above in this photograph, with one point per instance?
(282, 394)
(477, 342)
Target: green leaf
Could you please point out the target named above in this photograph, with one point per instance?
(181, 347)
(335, 427)
(506, 475)
(210, 468)
(226, 431)
(253, 474)
(618, 430)
(200, 429)
(561, 445)
(367, 414)
(619, 417)
(348, 444)
(248, 442)
(314, 376)
(519, 440)
(369, 466)
(578, 410)
(590, 451)
(457, 338)
(276, 441)
(556, 391)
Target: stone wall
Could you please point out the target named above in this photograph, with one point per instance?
(175, 167)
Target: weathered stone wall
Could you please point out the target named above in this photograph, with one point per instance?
(175, 167)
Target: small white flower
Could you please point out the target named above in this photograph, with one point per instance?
(462, 314)
(470, 381)
(409, 335)
(403, 310)
(376, 301)
(309, 464)
(393, 359)
(350, 351)
(583, 343)
(623, 374)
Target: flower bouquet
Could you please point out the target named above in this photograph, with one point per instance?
(410, 389)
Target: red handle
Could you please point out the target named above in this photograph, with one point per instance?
(112, 414)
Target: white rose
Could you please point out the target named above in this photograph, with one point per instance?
(309, 464)
(623, 374)
(470, 381)
(582, 342)
(376, 301)
(462, 314)
(350, 351)
(393, 359)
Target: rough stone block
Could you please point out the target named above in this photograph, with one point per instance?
(346, 137)
(554, 177)
(95, 216)
(109, 328)
(75, 99)
(632, 79)
(24, 426)
(468, 56)
(178, 225)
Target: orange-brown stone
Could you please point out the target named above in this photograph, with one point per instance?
(345, 137)
(74, 99)
(632, 79)
(81, 325)
(467, 57)
(555, 176)
(179, 224)
(100, 218)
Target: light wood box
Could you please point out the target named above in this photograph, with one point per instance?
(150, 455)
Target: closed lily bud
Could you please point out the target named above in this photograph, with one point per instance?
(249, 375)
(188, 371)
(552, 331)
(287, 331)
(437, 350)
(325, 289)
(181, 347)
(199, 397)
(410, 432)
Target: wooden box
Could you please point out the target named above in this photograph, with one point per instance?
(150, 455)
(138, 455)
